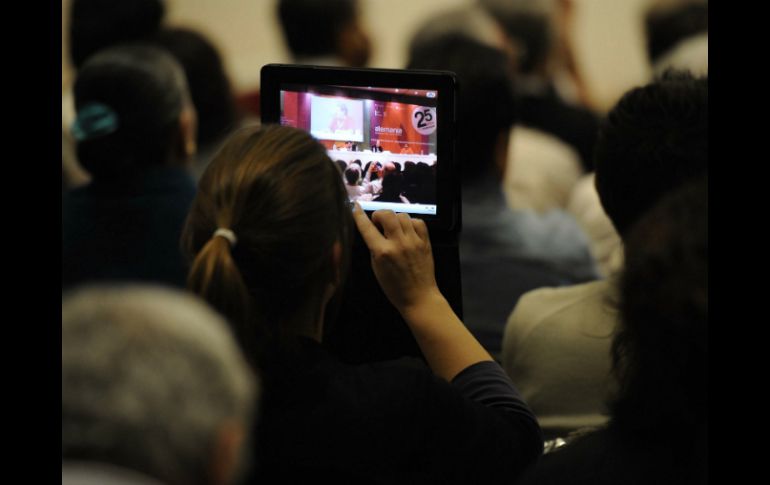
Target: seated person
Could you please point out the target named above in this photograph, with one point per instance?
(503, 252)
(324, 32)
(135, 135)
(271, 254)
(557, 341)
(210, 90)
(154, 389)
(658, 430)
(392, 188)
(354, 185)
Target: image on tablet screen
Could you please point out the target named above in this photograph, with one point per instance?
(383, 140)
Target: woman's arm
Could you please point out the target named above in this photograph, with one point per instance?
(402, 260)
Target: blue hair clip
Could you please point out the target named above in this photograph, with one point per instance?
(94, 119)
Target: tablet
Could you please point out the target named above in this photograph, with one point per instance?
(390, 132)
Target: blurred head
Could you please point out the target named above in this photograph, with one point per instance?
(283, 197)
(469, 21)
(669, 23)
(153, 381)
(209, 84)
(133, 112)
(352, 175)
(660, 353)
(324, 28)
(654, 140)
(529, 26)
(97, 24)
(485, 93)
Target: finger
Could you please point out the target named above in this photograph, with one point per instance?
(406, 223)
(369, 232)
(421, 229)
(389, 223)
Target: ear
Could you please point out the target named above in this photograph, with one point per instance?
(188, 130)
(227, 452)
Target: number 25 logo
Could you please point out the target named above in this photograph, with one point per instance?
(424, 120)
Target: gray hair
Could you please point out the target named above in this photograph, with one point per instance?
(149, 376)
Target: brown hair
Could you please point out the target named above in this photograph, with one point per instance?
(276, 188)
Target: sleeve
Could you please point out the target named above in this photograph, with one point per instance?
(483, 431)
(486, 383)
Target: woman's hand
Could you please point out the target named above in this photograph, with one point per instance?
(402, 257)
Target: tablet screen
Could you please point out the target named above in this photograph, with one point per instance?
(383, 140)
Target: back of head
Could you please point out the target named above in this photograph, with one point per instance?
(528, 23)
(97, 24)
(669, 24)
(661, 350)
(470, 21)
(129, 100)
(485, 99)
(149, 378)
(282, 196)
(654, 140)
(209, 84)
(311, 28)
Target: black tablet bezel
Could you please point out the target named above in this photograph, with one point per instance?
(447, 218)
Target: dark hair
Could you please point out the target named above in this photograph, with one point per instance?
(341, 165)
(485, 100)
(660, 353)
(392, 185)
(530, 30)
(146, 90)
(277, 189)
(352, 176)
(652, 141)
(97, 24)
(667, 26)
(210, 88)
(311, 27)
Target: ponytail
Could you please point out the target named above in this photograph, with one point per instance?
(215, 277)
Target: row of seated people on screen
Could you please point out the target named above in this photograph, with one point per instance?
(390, 182)
(349, 146)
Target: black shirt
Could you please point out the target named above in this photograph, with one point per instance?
(391, 422)
(127, 230)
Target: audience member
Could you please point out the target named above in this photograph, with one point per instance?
(545, 166)
(270, 233)
(210, 90)
(532, 27)
(677, 38)
(557, 340)
(324, 32)
(658, 431)
(154, 390)
(135, 133)
(392, 188)
(503, 252)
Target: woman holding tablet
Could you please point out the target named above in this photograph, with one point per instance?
(270, 234)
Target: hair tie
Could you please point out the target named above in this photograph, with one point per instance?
(93, 120)
(227, 234)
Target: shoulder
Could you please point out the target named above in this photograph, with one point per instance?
(584, 308)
